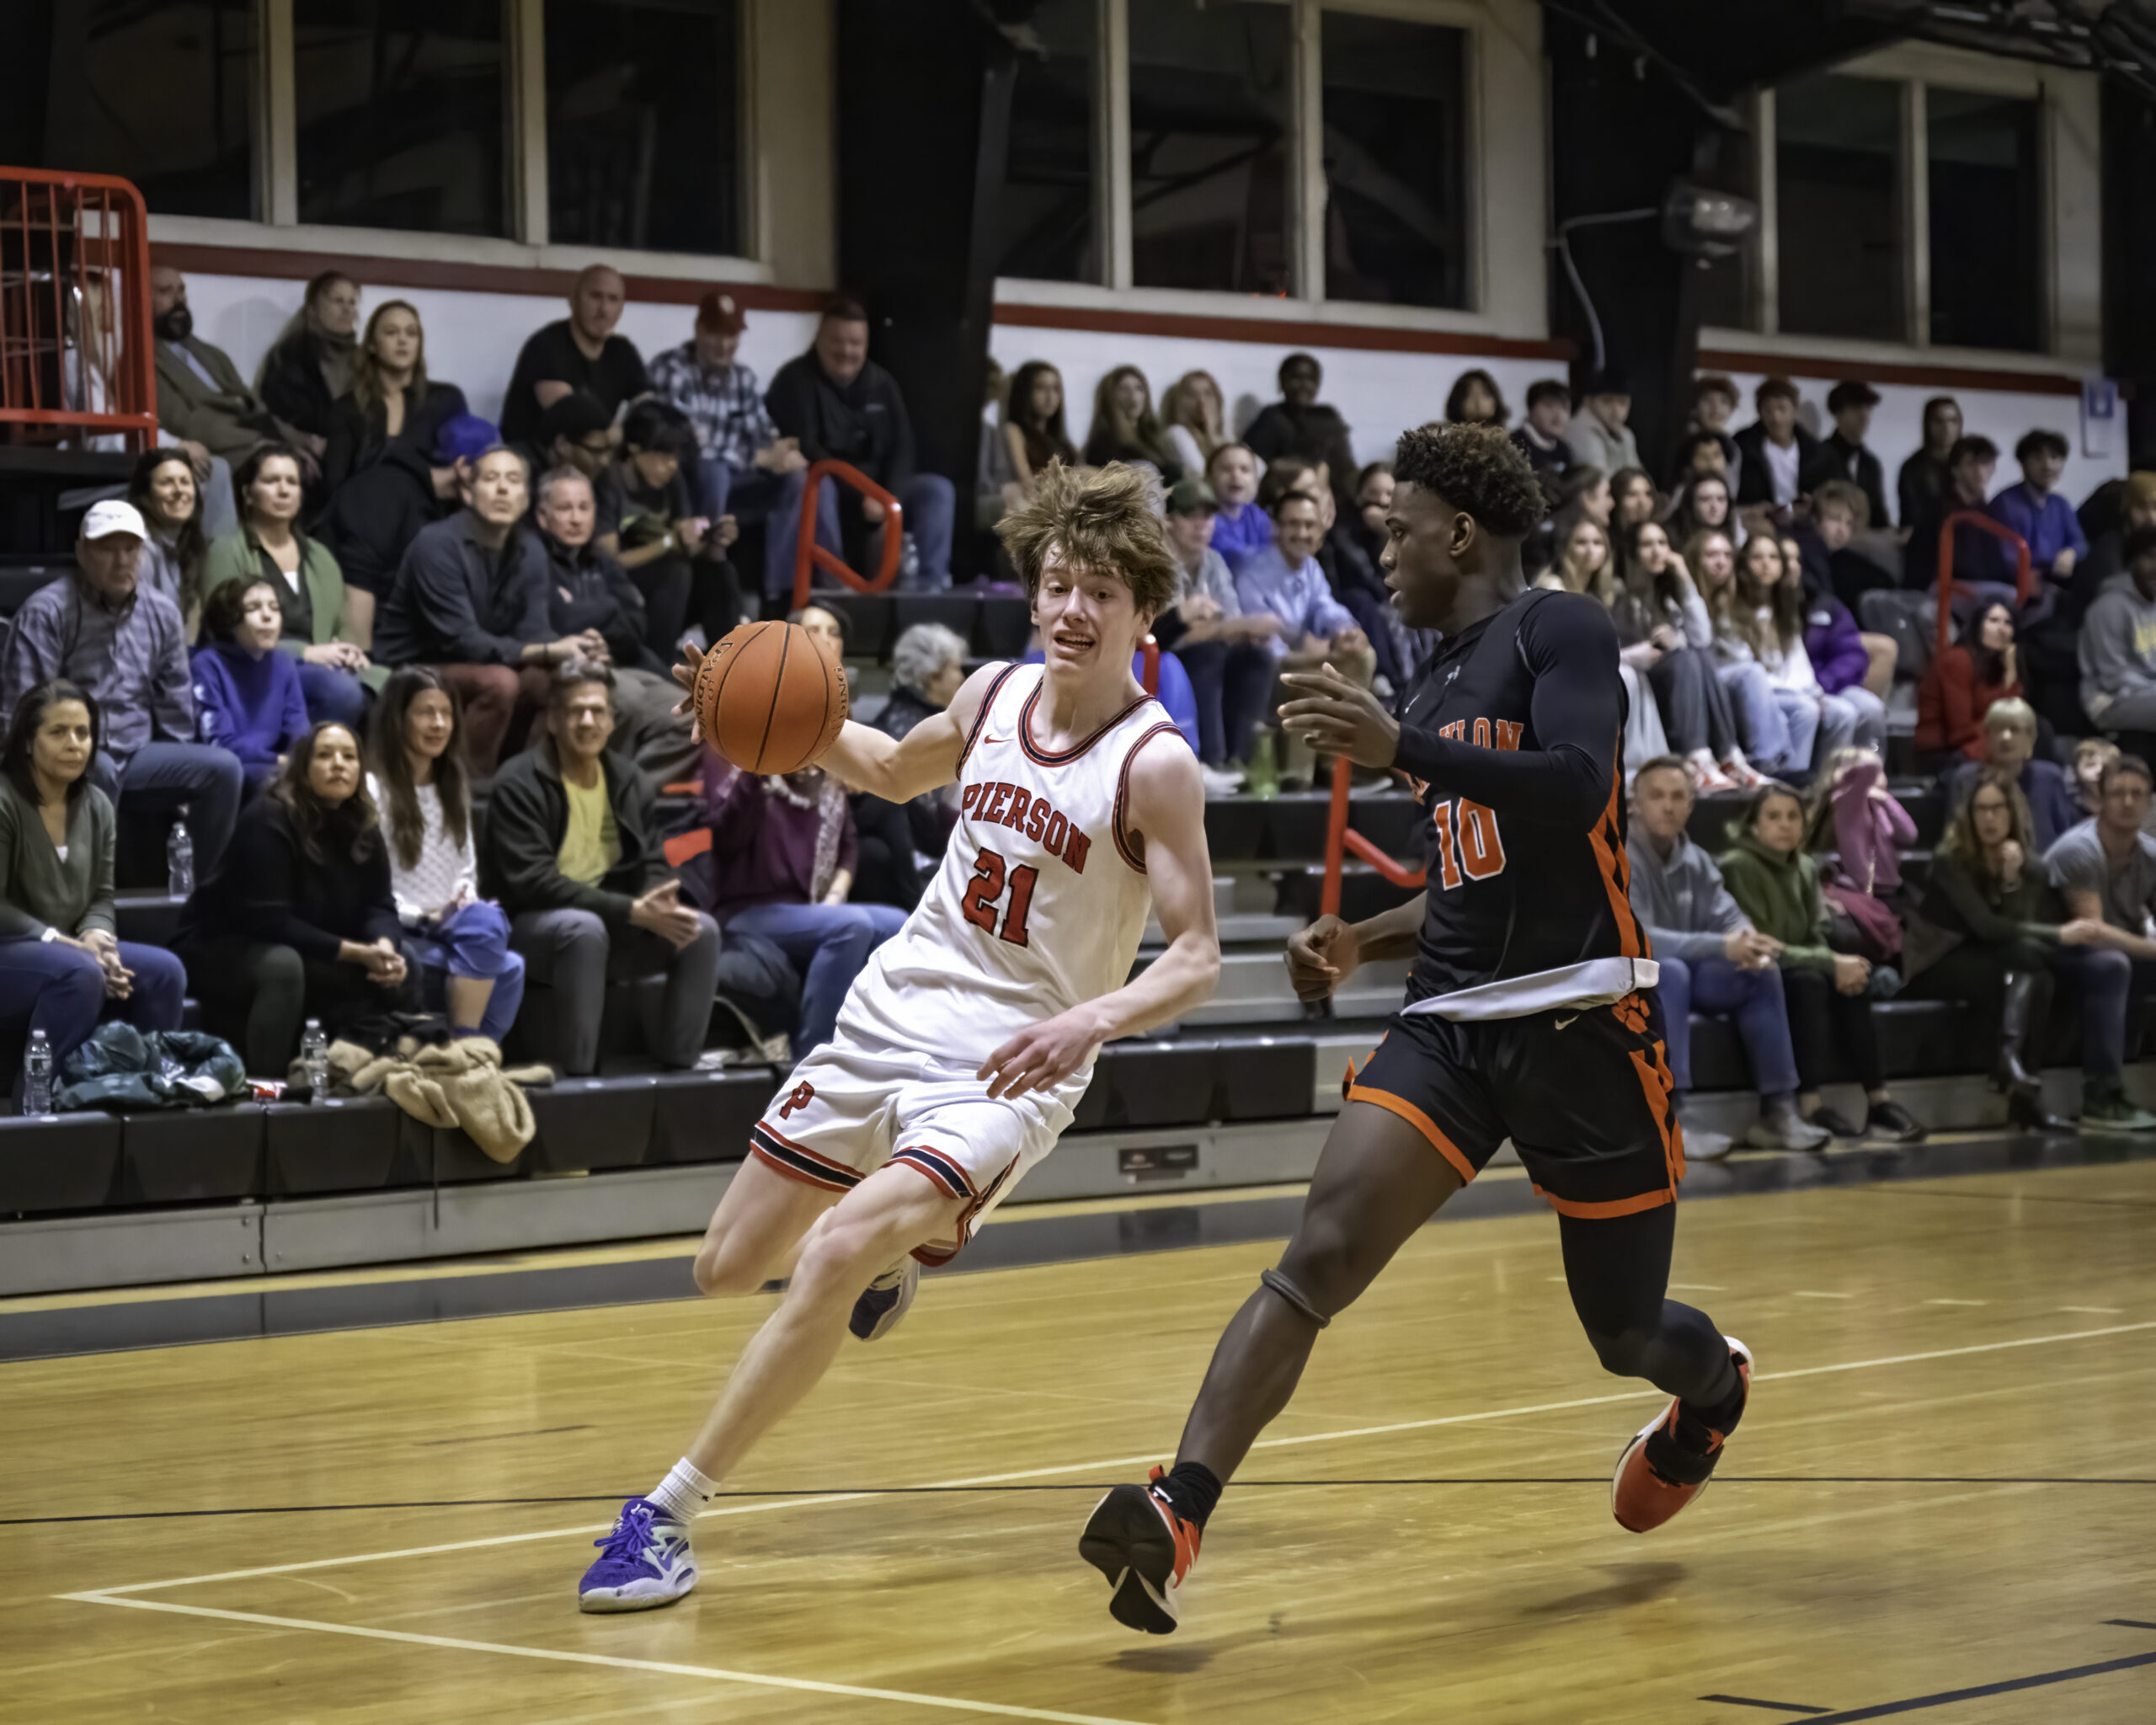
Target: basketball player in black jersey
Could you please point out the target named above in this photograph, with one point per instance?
(1530, 1014)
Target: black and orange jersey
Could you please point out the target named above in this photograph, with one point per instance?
(1513, 734)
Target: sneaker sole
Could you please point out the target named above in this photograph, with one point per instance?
(1644, 1432)
(1125, 1539)
(613, 1605)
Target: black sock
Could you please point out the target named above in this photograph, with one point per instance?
(1192, 1491)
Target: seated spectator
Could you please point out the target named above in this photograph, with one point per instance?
(2106, 870)
(575, 432)
(581, 351)
(1776, 726)
(1959, 686)
(1849, 662)
(1987, 933)
(127, 648)
(1664, 633)
(1714, 405)
(1125, 428)
(572, 852)
(2091, 755)
(310, 364)
(163, 490)
(1703, 507)
(2035, 509)
(2118, 644)
(647, 524)
(1352, 558)
(1633, 499)
(744, 469)
(1983, 568)
(2105, 566)
(1032, 423)
(1928, 476)
(1284, 583)
(1599, 435)
(1775, 449)
(471, 596)
(1825, 549)
(1475, 399)
(62, 963)
(248, 697)
(1771, 579)
(391, 401)
(589, 595)
(417, 779)
(1584, 563)
(2010, 738)
(1585, 491)
(1713, 961)
(1844, 455)
(928, 665)
(838, 404)
(1540, 435)
(374, 516)
(1195, 418)
(783, 855)
(271, 546)
(297, 921)
(202, 400)
(1241, 526)
(1776, 885)
(1298, 424)
(1700, 455)
(1227, 656)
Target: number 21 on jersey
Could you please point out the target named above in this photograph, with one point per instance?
(984, 894)
(1467, 846)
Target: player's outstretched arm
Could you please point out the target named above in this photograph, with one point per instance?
(1167, 812)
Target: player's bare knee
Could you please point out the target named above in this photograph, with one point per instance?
(1325, 1267)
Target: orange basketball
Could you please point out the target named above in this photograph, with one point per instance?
(769, 698)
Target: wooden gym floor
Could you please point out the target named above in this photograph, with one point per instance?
(1942, 1504)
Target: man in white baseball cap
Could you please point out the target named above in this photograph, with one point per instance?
(126, 644)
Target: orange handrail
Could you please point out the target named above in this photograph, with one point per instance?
(75, 299)
(2024, 574)
(1151, 675)
(808, 556)
(1338, 840)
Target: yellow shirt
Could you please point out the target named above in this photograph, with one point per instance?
(592, 846)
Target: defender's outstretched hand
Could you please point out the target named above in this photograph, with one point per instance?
(1322, 957)
(1336, 716)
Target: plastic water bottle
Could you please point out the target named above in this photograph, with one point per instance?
(37, 1076)
(314, 1058)
(179, 861)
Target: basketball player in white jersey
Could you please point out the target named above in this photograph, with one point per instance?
(966, 1043)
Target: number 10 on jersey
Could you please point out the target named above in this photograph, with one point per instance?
(984, 896)
(1467, 843)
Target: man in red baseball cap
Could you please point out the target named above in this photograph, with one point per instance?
(745, 468)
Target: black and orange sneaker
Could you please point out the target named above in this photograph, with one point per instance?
(1669, 1463)
(1135, 1538)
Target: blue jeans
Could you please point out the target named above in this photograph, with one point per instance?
(757, 495)
(156, 782)
(2108, 983)
(1778, 727)
(333, 696)
(929, 502)
(1231, 681)
(828, 944)
(60, 990)
(472, 941)
(1753, 999)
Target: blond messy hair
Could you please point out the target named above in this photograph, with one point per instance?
(1098, 519)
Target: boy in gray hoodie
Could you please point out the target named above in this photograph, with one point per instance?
(2118, 643)
(1711, 958)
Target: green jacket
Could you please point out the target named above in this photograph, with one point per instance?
(238, 556)
(38, 890)
(1780, 894)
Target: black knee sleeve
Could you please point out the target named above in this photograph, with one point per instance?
(1624, 1354)
(1293, 1295)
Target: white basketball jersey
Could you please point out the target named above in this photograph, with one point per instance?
(1041, 899)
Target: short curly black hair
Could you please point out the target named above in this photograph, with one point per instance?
(1476, 469)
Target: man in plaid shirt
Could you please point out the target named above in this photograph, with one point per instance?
(745, 469)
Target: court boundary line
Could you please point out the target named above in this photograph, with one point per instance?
(110, 1595)
(569, 1657)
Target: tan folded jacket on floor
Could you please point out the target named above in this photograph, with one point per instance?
(461, 1083)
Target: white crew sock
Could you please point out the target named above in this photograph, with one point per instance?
(683, 1493)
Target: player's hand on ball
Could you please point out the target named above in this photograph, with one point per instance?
(1336, 716)
(1042, 1055)
(1320, 957)
(685, 675)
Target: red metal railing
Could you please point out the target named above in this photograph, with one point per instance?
(1339, 840)
(75, 349)
(2025, 573)
(808, 556)
(1151, 674)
